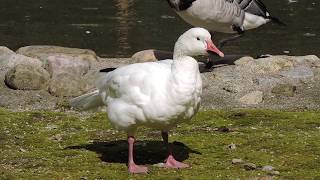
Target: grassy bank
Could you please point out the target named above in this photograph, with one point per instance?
(47, 145)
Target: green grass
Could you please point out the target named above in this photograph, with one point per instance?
(50, 145)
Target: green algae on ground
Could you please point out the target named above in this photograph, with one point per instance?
(50, 145)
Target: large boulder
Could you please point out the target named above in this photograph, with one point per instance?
(9, 59)
(4, 50)
(68, 75)
(27, 77)
(43, 52)
(66, 84)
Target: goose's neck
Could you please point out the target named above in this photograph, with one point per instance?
(178, 51)
(182, 62)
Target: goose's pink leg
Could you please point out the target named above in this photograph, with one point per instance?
(170, 161)
(132, 167)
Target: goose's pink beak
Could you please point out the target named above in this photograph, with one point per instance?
(212, 48)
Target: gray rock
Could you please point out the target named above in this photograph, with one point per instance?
(4, 51)
(267, 168)
(284, 89)
(243, 60)
(9, 60)
(237, 161)
(252, 98)
(27, 77)
(63, 58)
(269, 65)
(67, 84)
(65, 64)
(274, 173)
(267, 82)
(297, 73)
(69, 75)
(249, 166)
(42, 52)
(151, 55)
(309, 61)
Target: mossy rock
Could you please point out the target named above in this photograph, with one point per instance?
(284, 90)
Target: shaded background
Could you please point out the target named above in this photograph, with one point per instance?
(118, 28)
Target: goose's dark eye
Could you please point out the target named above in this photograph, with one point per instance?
(198, 38)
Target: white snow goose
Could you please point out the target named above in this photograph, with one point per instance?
(227, 16)
(158, 95)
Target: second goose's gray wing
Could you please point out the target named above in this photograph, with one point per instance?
(255, 7)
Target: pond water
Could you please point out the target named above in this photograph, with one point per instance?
(118, 28)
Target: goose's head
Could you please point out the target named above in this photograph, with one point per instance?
(194, 42)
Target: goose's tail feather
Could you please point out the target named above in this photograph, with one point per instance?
(89, 101)
(276, 20)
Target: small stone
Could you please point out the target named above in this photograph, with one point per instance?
(57, 137)
(22, 150)
(51, 126)
(309, 34)
(158, 165)
(232, 146)
(252, 98)
(237, 161)
(284, 89)
(274, 173)
(249, 166)
(223, 129)
(267, 168)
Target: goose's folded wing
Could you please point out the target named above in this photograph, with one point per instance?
(222, 11)
(255, 7)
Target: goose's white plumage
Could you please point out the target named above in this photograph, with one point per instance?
(154, 94)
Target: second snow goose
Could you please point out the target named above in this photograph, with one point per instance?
(154, 94)
(227, 16)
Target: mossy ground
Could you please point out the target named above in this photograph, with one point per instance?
(48, 145)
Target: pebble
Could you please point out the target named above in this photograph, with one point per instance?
(51, 126)
(158, 165)
(232, 146)
(249, 166)
(223, 129)
(22, 150)
(57, 137)
(237, 161)
(267, 168)
(273, 173)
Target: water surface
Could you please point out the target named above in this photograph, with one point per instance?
(118, 28)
